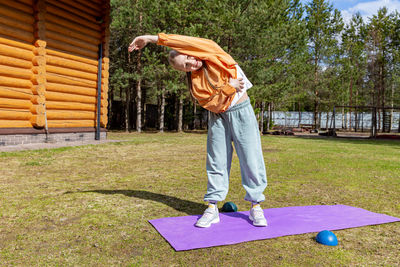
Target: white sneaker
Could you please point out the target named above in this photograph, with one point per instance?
(257, 216)
(210, 216)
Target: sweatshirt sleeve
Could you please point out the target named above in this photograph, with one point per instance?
(199, 47)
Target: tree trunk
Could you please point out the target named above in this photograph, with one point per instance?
(269, 116)
(381, 122)
(327, 120)
(144, 113)
(356, 121)
(284, 114)
(139, 106)
(201, 119)
(319, 119)
(257, 115)
(351, 99)
(194, 115)
(127, 108)
(373, 126)
(158, 108)
(391, 110)
(110, 100)
(139, 87)
(144, 109)
(398, 125)
(379, 119)
(315, 92)
(162, 109)
(299, 122)
(315, 114)
(357, 118)
(262, 117)
(180, 114)
(382, 85)
(208, 117)
(343, 119)
(362, 121)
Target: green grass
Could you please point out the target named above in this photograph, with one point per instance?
(90, 205)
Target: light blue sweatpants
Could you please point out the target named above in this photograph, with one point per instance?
(238, 125)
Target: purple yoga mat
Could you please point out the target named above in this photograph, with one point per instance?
(235, 227)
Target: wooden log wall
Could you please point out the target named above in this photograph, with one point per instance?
(16, 62)
(49, 62)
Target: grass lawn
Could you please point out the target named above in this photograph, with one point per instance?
(90, 205)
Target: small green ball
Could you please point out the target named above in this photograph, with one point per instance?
(229, 207)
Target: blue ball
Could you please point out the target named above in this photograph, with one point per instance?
(229, 207)
(327, 238)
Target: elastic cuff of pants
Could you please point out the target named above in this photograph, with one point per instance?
(252, 201)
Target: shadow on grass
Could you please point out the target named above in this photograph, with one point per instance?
(182, 205)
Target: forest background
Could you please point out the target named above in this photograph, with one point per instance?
(299, 57)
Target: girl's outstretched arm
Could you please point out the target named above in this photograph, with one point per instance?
(141, 41)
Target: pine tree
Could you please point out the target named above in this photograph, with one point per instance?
(354, 64)
(324, 25)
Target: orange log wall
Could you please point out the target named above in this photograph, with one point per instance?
(49, 62)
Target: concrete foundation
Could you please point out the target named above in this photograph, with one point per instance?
(20, 139)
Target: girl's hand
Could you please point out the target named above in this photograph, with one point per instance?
(238, 84)
(138, 43)
(141, 41)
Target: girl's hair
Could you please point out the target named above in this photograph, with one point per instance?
(171, 59)
(172, 55)
(190, 86)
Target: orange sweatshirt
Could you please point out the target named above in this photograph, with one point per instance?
(220, 66)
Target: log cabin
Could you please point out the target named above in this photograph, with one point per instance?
(54, 60)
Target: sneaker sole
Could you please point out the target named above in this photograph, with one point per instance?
(216, 220)
(255, 224)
